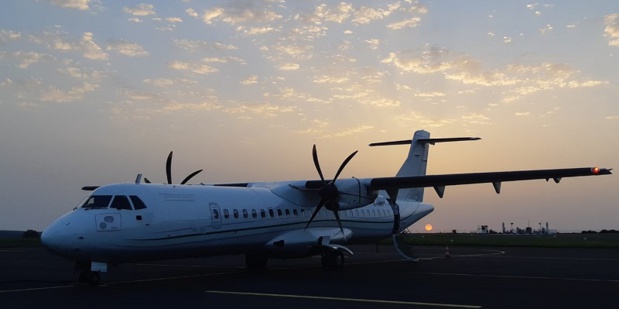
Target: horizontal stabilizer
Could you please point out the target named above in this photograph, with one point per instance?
(431, 141)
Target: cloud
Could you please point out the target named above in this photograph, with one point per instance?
(545, 30)
(264, 109)
(90, 48)
(290, 94)
(256, 30)
(351, 131)
(25, 58)
(210, 15)
(409, 23)
(81, 5)
(526, 79)
(9, 35)
(250, 80)
(241, 12)
(195, 46)
(57, 41)
(366, 15)
(199, 68)
(140, 10)
(126, 48)
(202, 106)
(191, 12)
(339, 14)
(612, 29)
(288, 66)
(53, 94)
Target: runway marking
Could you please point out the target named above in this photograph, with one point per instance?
(377, 301)
(171, 278)
(524, 277)
(37, 289)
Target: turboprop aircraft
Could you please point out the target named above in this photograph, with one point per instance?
(131, 222)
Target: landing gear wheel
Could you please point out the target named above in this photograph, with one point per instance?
(91, 277)
(255, 262)
(333, 260)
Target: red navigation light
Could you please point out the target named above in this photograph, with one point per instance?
(595, 170)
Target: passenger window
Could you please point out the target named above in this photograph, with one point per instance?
(254, 214)
(271, 213)
(137, 202)
(226, 214)
(236, 214)
(295, 213)
(263, 213)
(215, 214)
(245, 213)
(121, 202)
(287, 212)
(303, 213)
(279, 212)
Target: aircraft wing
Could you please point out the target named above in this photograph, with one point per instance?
(496, 178)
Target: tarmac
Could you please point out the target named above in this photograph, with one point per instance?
(375, 277)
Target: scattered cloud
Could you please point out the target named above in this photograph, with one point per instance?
(545, 30)
(351, 131)
(126, 48)
(240, 12)
(8, 35)
(81, 5)
(197, 45)
(25, 59)
(250, 80)
(612, 29)
(263, 109)
(288, 66)
(140, 10)
(198, 68)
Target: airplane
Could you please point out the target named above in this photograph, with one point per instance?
(139, 221)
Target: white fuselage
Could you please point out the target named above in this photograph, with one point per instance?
(198, 220)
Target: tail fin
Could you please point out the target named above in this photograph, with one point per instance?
(417, 160)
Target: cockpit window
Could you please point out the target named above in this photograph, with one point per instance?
(121, 202)
(137, 202)
(97, 201)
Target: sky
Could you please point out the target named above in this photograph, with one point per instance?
(95, 92)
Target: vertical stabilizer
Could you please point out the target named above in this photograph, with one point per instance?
(415, 164)
(417, 161)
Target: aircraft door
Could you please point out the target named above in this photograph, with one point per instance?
(215, 215)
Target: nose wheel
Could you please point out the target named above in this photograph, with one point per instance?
(89, 277)
(333, 260)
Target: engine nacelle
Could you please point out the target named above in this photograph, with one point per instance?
(354, 194)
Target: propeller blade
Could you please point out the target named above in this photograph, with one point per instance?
(190, 176)
(320, 205)
(316, 163)
(168, 168)
(344, 165)
(339, 222)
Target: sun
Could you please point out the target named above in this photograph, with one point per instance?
(428, 227)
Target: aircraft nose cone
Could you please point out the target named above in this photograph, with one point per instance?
(50, 238)
(61, 236)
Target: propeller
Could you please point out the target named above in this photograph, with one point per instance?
(168, 170)
(328, 191)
